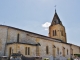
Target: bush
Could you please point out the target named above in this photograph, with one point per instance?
(77, 55)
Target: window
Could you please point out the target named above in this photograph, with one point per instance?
(17, 38)
(27, 50)
(63, 51)
(61, 32)
(47, 51)
(54, 33)
(54, 50)
(10, 51)
(71, 51)
(58, 51)
(67, 51)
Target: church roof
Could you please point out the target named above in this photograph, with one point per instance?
(56, 19)
(33, 44)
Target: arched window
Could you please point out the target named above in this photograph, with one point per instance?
(47, 50)
(61, 32)
(67, 51)
(54, 50)
(71, 51)
(28, 50)
(25, 50)
(55, 33)
(10, 51)
(18, 38)
(63, 51)
(58, 51)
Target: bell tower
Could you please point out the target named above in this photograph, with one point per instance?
(56, 29)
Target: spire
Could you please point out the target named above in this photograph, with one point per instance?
(55, 10)
(56, 19)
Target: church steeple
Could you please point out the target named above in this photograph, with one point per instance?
(56, 19)
(55, 11)
(56, 29)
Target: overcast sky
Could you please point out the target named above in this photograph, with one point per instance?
(34, 15)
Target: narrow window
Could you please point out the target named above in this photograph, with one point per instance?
(62, 33)
(63, 51)
(67, 51)
(10, 51)
(47, 51)
(25, 50)
(71, 51)
(58, 51)
(28, 50)
(17, 38)
(54, 50)
(53, 33)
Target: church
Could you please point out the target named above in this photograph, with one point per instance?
(30, 44)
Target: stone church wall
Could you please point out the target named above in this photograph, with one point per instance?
(10, 35)
(76, 49)
(59, 29)
(67, 47)
(21, 48)
(50, 44)
(23, 37)
(26, 37)
(42, 48)
(60, 46)
(3, 38)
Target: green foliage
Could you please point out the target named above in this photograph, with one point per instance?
(77, 55)
(44, 59)
(68, 59)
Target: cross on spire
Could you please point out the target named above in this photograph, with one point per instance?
(56, 19)
(55, 8)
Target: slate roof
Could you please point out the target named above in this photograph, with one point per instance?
(33, 44)
(56, 20)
